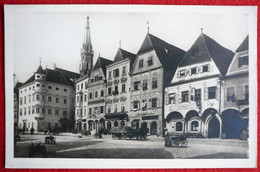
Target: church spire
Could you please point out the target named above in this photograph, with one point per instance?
(87, 46)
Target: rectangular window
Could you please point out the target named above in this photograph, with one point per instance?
(42, 97)
(145, 84)
(64, 113)
(172, 98)
(136, 85)
(96, 78)
(81, 112)
(96, 94)
(182, 73)
(205, 68)
(124, 70)
(85, 97)
(144, 105)
(198, 95)
(116, 73)
(32, 110)
(37, 110)
(56, 125)
(29, 111)
(136, 104)
(56, 112)
(43, 111)
(37, 97)
(242, 61)
(109, 91)
(57, 88)
(154, 83)
(185, 96)
(154, 102)
(81, 98)
(150, 61)
(21, 112)
(90, 111)
(100, 78)
(246, 92)
(115, 108)
(116, 90)
(65, 101)
(230, 93)
(24, 100)
(49, 99)
(49, 125)
(92, 80)
(81, 85)
(21, 101)
(85, 112)
(101, 93)
(57, 100)
(90, 96)
(109, 74)
(101, 109)
(141, 63)
(212, 92)
(193, 71)
(24, 111)
(122, 108)
(108, 109)
(77, 98)
(123, 88)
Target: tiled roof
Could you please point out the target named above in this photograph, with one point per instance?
(40, 70)
(169, 55)
(16, 87)
(204, 49)
(243, 46)
(123, 54)
(57, 75)
(102, 63)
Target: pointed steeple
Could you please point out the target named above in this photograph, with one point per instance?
(40, 69)
(87, 46)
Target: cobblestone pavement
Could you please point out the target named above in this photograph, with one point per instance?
(70, 146)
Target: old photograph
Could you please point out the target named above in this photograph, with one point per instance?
(113, 85)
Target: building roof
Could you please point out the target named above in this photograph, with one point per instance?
(123, 54)
(16, 87)
(58, 75)
(243, 46)
(40, 70)
(206, 49)
(169, 55)
(102, 63)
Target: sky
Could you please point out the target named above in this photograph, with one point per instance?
(57, 37)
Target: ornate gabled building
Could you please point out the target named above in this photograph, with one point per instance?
(152, 70)
(194, 94)
(235, 95)
(46, 100)
(97, 96)
(85, 67)
(118, 93)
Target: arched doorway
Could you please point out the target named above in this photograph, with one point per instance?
(109, 126)
(144, 125)
(153, 128)
(135, 124)
(232, 124)
(213, 128)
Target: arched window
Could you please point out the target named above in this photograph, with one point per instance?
(194, 126)
(179, 126)
(115, 124)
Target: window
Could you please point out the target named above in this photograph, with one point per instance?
(43, 111)
(212, 92)
(182, 73)
(230, 93)
(144, 105)
(198, 95)
(65, 90)
(150, 61)
(115, 108)
(136, 85)
(205, 68)
(154, 102)
(37, 110)
(90, 95)
(145, 84)
(77, 98)
(179, 126)
(49, 125)
(92, 80)
(101, 93)
(56, 125)
(101, 109)
(242, 61)
(109, 91)
(96, 78)
(116, 90)
(124, 70)
(32, 110)
(24, 111)
(37, 97)
(50, 87)
(81, 112)
(109, 74)
(90, 111)
(29, 98)
(246, 92)
(24, 100)
(81, 98)
(85, 112)
(29, 111)
(21, 112)
(172, 98)
(108, 109)
(81, 85)
(77, 112)
(154, 83)
(116, 73)
(57, 100)
(141, 63)
(193, 70)
(57, 88)
(194, 126)
(56, 112)
(49, 99)
(43, 97)
(96, 94)
(122, 108)
(38, 85)
(100, 78)
(78, 87)
(65, 101)
(185, 96)
(85, 97)
(123, 88)
(136, 104)
(21, 101)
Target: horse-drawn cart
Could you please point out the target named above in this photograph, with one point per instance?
(173, 140)
(127, 132)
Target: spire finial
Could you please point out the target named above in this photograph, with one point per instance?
(40, 61)
(201, 29)
(99, 54)
(148, 26)
(120, 43)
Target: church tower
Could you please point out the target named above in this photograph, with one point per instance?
(87, 53)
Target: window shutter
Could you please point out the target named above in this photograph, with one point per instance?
(217, 93)
(209, 67)
(178, 74)
(186, 72)
(200, 69)
(158, 103)
(189, 71)
(206, 93)
(197, 69)
(190, 94)
(167, 98)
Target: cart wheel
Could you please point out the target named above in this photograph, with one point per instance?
(184, 143)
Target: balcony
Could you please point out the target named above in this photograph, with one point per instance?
(115, 93)
(39, 116)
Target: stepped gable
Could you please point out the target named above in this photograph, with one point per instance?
(102, 63)
(206, 49)
(243, 46)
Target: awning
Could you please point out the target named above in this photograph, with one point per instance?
(120, 116)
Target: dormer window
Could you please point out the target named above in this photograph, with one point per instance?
(182, 73)
(205, 68)
(150, 61)
(193, 70)
(38, 76)
(242, 61)
(141, 63)
(96, 78)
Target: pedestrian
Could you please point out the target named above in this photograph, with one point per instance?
(32, 130)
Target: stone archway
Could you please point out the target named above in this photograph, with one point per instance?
(212, 123)
(153, 128)
(213, 128)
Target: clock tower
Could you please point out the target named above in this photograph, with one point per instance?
(87, 53)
